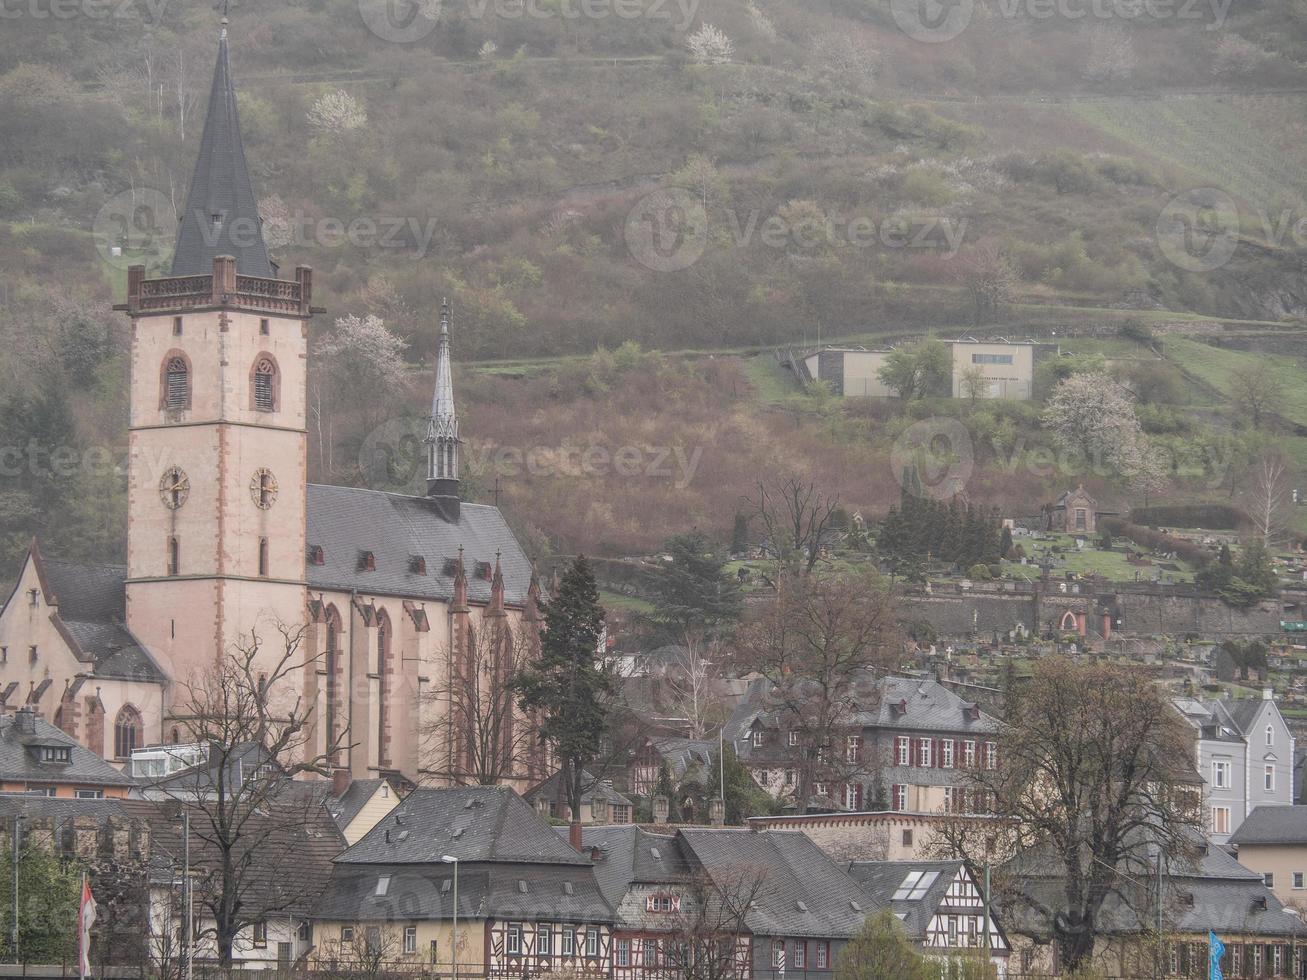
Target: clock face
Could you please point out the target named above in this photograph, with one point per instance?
(263, 488)
(174, 487)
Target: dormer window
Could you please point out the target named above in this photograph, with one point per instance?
(367, 561)
(418, 564)
(54, 753)
(316, 555)
(483, 570)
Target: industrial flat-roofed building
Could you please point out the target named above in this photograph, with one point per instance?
(996, 368)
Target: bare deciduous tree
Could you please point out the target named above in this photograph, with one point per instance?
(1094, 775)
(1270, 499)
(1256, 391)
(245, 809)
(820, 644)
(709, 924)
(795, 514)
(691, 680)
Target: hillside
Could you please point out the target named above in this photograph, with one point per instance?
(833, 177)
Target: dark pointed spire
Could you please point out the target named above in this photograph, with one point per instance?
(222, 213)
(442, 429)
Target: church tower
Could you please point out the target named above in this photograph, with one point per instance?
(442, 432)
(217, 472)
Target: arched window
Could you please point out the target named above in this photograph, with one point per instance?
(1270, 734)
(331, 661)
(174, 556)
(126, 732)
(264, 387)
(383, 684)
(175, 393)
(263, 557)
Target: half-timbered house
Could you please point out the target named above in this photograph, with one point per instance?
(527, 902)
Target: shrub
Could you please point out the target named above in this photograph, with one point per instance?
(979, 573)
(1212, 517)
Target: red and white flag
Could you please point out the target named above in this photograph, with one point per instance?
(85, 919)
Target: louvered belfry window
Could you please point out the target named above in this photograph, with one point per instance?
(265, 374)
(179, 383)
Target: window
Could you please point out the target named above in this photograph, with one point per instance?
(260, 930)
(346, 934)
(383, 885)
(263, 557)
(852, 744)
(907, 836)
(902, 743)
(851, 797)
(915, 886)
(174, 556)
(660, 903)
(569, 941)
(623, 953)
(265, 327)
(4, 655)
(89, 794)
(56, 753)
(778, 954)
(923, 752)
(1220, 774)
(1268, 879)
(176, 326)
(545, 939)
(514, 940)
(819, 789)
(822, 952)
(794, 739)
(800, 955)
(176, 383)
(1268, 777)
(790, 776)
(1270, 734)
(33, 654)
(991, 755)
(373, 939)
(126, 732)
(759, 737)
(592, 941)
(1220, 819)
(649, 955)
(899, 797)
(264, 383)
(946, 753)
(969, 753)
(952, 930)
(410, 932)
(991, 358)
(1081, 519)
(1297, 879)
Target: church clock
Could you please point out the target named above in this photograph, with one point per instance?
(175, 487)
(263, 488)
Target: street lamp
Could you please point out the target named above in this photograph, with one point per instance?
(450, 859)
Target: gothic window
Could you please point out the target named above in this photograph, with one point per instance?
(383, 714)
(126, 732)
(263, 557)
(174, 556)
(263, 384)
(331, 663)
(176, 394)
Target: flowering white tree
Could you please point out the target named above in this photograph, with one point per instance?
(337, 112)
(710, 46)
(1092, 413)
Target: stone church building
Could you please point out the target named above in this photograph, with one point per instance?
(227, 539)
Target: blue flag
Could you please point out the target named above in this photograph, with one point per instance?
(1216, 949)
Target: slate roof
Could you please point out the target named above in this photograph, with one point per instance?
(684, 755)
(553, 789)
(59, 807)
(484, 891)
(1273, 825)
(346, 807)
(626, 854)
(346, 521)
(881, 879)
(489, 824)
(202, 779)
(91, 601)
(18, 763)
(1222, 719)
(802, 892)
(288, 846)
(221, 185)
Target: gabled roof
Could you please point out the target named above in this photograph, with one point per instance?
(552, 789)
(346, 521)
(20, 763)
(881, 880)
(486, 824)
(1273, 825)
(346, 807)
(626, 854)
(221, 186)
(801, 891)
(685, 755)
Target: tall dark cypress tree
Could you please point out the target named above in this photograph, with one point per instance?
(568, 684)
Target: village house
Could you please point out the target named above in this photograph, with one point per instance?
(527, 902)
(1074, 512)
(36, 757)
(940, 903)
(683, 758)
(1272, 841)
(914, 740)
(1244, 753)
(600, 802)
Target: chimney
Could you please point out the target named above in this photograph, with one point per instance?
(1268, 694)
(574, 836)
(340, 780)
(25, 721)
(717, 811)
(661, 807)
